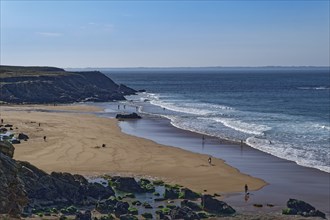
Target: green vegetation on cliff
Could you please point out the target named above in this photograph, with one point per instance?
(54, 85)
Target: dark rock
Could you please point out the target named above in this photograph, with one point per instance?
(59, 188)
(147, 205)
(121, 208)
(137, 203)
(22, 136)
(142, 90)
(128, 116)
(171, 193)
(189, 194)
(106, 206)
(15, 141)
(183, 213)
(147, 215)
(301, 208)
(13, 196)
(192, 205)
(87, 215)
(215, 206)
(126, 184)
(8, 126)
(128, 217)
(3, 130)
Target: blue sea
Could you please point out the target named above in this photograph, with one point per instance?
(281, 111)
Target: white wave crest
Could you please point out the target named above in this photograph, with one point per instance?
(248, 128)
(287, 151)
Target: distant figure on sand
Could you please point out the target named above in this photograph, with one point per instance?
(45, 138)
(118, 106)
(1, 120)
(203, 138)
(124, 106)
(210, 160)
(39, 124)
(246, 188)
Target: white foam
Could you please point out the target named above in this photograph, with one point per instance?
(248, 128)
(303, 157)
(314, 88)
(325, 127)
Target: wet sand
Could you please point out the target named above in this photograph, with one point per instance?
(286, 179)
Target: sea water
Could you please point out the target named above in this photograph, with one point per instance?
(281, 111)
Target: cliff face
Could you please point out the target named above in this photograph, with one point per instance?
(54, 85)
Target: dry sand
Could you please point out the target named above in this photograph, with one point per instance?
(74, 144)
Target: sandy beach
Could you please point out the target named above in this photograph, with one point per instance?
(74, 140)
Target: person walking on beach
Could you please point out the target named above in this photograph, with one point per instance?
(210, 160)
(246, 188)
(45, 138)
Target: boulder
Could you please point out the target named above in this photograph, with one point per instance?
(215, 206)
(183, 213)
(128, 217)
(128, 116)
(22, 136)
(192, 205)
(189, 194)
(106, 206)
(298, 207)
(121, 208)
(126, 184)
(87, 215)
(171, 193)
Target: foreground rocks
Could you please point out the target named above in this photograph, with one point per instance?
(25, 186)
(215, 206)
(27, 191)
(297, 207)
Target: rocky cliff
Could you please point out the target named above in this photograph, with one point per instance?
(25, 187)
(54, 85)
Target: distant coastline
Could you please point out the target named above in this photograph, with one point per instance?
(211, 68)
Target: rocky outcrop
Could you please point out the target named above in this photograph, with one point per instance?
(24, 185)
(13, 196)
(298, 207)
(126, 184)
(189, 194)
(22, 136)
(215, 206)
(171, 193)
(53, 85)
(128, 116)
(183, 213)
(192, 205)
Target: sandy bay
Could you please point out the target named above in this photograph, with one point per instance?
(74, 144)
(75, 135)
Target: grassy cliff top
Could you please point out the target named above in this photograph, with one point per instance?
(19, 71)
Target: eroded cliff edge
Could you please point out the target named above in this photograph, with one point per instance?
(39, 85)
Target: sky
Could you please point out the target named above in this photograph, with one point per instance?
(165, 33)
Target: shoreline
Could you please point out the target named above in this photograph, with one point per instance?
(286, 178)
(74, 145)
(266, 193)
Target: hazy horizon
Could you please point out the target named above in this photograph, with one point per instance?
(165, 34)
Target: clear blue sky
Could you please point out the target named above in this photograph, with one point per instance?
(165, 33)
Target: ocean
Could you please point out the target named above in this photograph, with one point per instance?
(281, 111)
